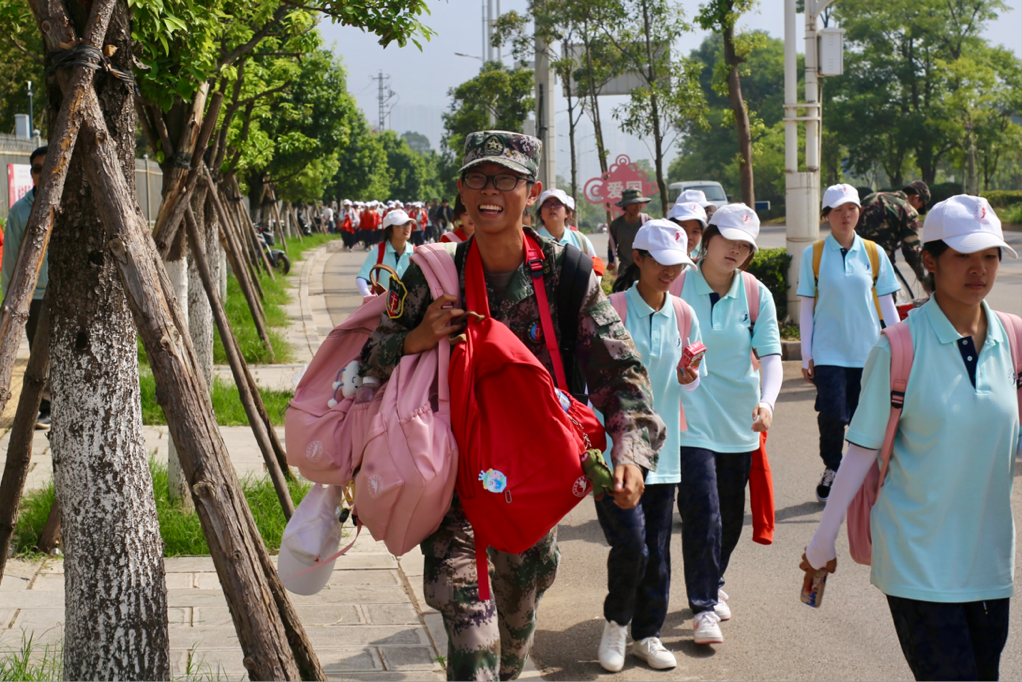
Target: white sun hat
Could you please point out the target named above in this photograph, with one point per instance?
(665, 241)
(840, 194)
(558, 194)
(396, 217)
(687, 210)
(965, 223)
(696, 196)
(737, 222)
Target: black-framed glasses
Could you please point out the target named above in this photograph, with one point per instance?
(505, 182)
(37, 169)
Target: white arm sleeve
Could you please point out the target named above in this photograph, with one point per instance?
(854, 467)
(805, 328)
(889, 309)
(771, 375)
(692, 386)
(363, 286)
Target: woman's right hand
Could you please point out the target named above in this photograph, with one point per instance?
(807, 581)
(437, 323)
(809, 373)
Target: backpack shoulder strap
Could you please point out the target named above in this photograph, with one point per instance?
(576, 269)
(817, 259)
(381, 252)
(1013, 328)
(751, 295)
(620, 304)
(874, 264)
(459, 254)
(678, 284)
(683, 312)
(902, 352)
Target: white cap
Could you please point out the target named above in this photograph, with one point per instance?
(687, 210)
(346, 202)
(396, 217)
(665, 241)
(571, 201)
(737, 222)
(696, 196)
(836, 195)
(555, 193)
(965, 223)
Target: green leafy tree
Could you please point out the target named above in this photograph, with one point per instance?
(500, 98)
(418, 142)
(363, 173)
(413, 175)
(21, 61)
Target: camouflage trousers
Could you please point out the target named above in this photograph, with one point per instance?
(487, 640)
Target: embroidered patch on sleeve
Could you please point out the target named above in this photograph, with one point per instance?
(396, 298)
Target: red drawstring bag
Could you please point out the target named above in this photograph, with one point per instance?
(761, 495)
(521, 438)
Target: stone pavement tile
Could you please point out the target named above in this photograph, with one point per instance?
(409, 657)
(180, 581)
(353, 594)
(14, 583)
(388, 676)
(19, 568)
(435, 626)
(6, 618)
(340, 579)
(329, 614)
(179, 615)
(212, 616)
(39, 619)
(366, 560)
(203, 637)
(53, 582)
(391, 614)
(189, 564)
(378, 635)
(412, 564)
(28, 599)
(196, 597)
(205, 581)
(207, 664)
(52, 566)
(340, 660)
(41, 637)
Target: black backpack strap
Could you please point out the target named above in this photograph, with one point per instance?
(576, 269)
(460, 253)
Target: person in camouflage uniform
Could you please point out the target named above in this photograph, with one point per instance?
(489, 640)
(892, 218)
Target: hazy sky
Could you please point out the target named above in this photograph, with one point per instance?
(421, 79)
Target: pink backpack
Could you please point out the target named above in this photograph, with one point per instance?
(682, 311)
(751, 300)
(402, 456)
(860, 538)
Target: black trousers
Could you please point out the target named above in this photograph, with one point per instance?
(960, 641)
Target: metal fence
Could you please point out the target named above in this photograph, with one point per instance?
(148, 177)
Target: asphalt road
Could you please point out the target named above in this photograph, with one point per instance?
(772, 634)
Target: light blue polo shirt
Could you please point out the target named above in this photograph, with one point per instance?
(389, 258)
(659, 343)
(719, 412)
(573, 237)
(845, 323)
(942, 525)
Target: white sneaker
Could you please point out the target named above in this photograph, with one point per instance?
(654, 653)
(707, 628)
(612, 646)
(722, 610)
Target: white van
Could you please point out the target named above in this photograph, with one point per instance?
(713, 191)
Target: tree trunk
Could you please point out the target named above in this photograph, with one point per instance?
(200, 316)
(734, 93)
(177, 272)
(115, 594)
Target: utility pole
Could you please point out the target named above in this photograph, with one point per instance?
(545, 129)
(31, 118)
(384, 95)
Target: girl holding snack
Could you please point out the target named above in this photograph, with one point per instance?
(396, 252)
(639, 563)
(942, 532)
(727, 414)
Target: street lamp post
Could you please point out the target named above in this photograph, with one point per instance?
(802, 196)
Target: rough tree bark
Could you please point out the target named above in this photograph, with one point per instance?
(115, 594)
(177, 272)
(734, 93)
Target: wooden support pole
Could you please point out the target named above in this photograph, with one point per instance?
(249, 228)
(249, 398)
(19, 449)
(238, 240)
(237, 550)
(65, 129)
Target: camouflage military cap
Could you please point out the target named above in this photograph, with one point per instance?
(520, 153)
(918, 187)
(632, 196)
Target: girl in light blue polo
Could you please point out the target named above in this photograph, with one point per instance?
(639, 562)
(728, 412)
(839, 322)
(552, 222)
(397, 251)
(943, 537)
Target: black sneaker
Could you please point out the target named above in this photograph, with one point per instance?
(42, 422)
(823, 490)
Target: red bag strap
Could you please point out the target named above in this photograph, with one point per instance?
(476, 299)
(902, 352)
(381, 251)
(534, 263)
(1013, 328)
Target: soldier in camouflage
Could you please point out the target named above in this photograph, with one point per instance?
(892, 218)
(490, 640)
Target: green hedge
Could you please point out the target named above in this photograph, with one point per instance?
(943, 190)
(770, 266)
(1003, 198)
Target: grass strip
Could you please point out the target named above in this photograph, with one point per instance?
(226, 402)
(180, 529)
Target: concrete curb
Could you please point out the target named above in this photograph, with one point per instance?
(313, 312)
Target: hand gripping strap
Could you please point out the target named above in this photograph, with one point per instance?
(1013, 329)
(438, 268)
(902, 352)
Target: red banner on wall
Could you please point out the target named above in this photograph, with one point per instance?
(19, 181)
(606, 189)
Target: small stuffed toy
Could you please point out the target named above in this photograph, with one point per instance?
(597, 471)
(348, 381)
